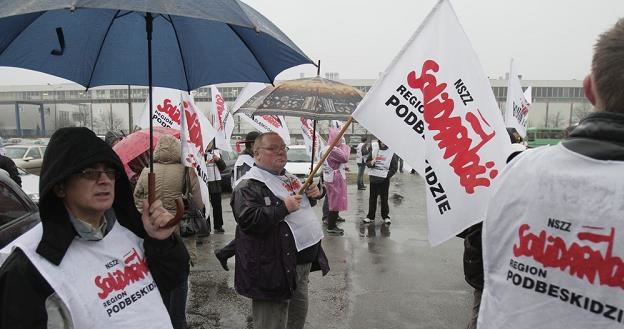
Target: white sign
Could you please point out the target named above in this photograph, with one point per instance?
(222, 120)
(435, 103)
(307, 131)
(517, 109)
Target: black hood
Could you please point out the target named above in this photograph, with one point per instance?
(69, 151)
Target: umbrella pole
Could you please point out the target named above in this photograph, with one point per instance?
(151, 177)
(308, 181)
(313, 145)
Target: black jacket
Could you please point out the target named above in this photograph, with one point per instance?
(266, 255)
(7, 164)
(23, 291)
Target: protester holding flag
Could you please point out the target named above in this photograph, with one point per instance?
(382, 166)
(552, 234)
(336, 180)
(214, 165)
(278, 226)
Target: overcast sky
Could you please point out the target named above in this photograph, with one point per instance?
(548, 39)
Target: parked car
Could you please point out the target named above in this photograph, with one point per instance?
(19, 213)
(227, 173)
(30, 184)
(299, 162)
(27, 156)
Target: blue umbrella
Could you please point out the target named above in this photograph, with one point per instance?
(180, 44)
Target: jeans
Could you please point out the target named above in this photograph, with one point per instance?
(472, 323)
(290, 313)
(360, 175)
(325, 208)
(380, 190)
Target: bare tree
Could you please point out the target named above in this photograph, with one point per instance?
(555, 120)
(108, 120)
(83, 116)
(580, 111)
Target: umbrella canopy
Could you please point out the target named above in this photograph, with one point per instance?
(133, 150)
(312, 98)
(195, 42)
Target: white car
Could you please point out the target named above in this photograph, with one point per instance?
(299, 162)
(30, 184)
(27, 156)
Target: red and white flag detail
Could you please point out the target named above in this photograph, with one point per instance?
(434, 107)
(222, 120)
(194, 142)
(307, 131)
(517, 109)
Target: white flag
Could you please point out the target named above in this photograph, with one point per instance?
(222, 120)
(307, 130)
(528, 95)
(517, 109)
(195, 134)
(166, 109)
(434, 102)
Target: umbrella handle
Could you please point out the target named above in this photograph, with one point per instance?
(151, 196)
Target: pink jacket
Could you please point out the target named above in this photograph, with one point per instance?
(337, 188)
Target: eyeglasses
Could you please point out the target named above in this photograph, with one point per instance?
(94, 174)
(275, 149)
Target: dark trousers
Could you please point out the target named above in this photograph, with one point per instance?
(360, 174)
(175, 302)
(217, 214)
(229, 250)
(379, 189)
(331, 219)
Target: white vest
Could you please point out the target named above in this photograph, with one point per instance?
(381, 161)
(358, 153)
(105, 283)
(554, 243)
(212, 171)
(305, 226)
(243, 159)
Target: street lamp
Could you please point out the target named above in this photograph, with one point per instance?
(54, 89)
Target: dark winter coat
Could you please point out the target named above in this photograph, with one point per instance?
(7, 164)
(266, 255)
(23, 291)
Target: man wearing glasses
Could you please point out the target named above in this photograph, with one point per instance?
(94, 261)
(278, 238)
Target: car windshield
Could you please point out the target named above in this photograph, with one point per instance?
(298, 155)
(16, 152)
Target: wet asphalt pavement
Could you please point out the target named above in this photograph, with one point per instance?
(381, 276)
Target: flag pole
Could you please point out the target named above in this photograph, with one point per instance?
(308, 180)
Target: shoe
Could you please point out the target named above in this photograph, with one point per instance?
(340, 219)
(366, 220)
(361, 188)
(325, 220)
(387, 221)
(335, 231)
(222, 259)
(219, 230)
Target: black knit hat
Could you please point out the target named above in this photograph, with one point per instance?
(69, 151)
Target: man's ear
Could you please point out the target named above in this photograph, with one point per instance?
(59, 191)
(588, 88)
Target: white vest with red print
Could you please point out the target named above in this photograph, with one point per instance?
(303, 223)
(105, 283)
(553, 243)
(381, 161)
